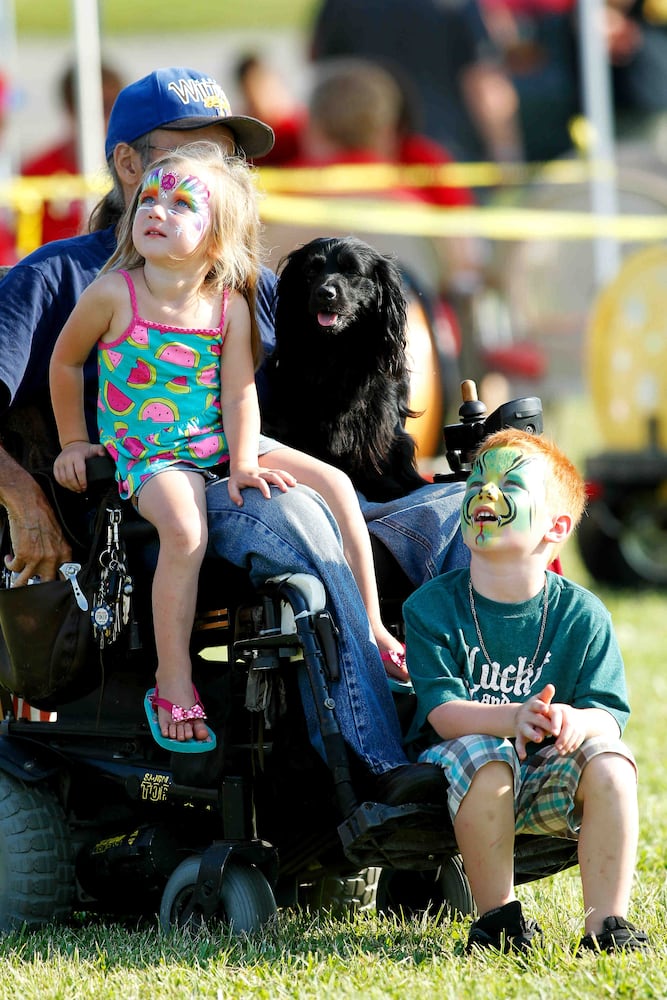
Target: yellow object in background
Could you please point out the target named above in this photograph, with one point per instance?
(627, 353)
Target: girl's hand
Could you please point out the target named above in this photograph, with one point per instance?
(70, 466)
(259, 478)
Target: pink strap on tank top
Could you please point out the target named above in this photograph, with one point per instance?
(133, 294)
(133, 300)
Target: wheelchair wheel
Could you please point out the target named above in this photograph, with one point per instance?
(443, 891)
(246, 900)
(626, 548)
(36, 858)
(341, 894)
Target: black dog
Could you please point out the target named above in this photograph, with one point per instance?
(338, 379)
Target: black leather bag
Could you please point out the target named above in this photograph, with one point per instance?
(46, 641)
(47, 649)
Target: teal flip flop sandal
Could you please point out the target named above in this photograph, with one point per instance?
(152, 702)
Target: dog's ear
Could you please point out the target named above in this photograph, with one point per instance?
(392, 306)
(288, 295)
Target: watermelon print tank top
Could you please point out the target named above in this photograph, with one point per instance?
(159, 398)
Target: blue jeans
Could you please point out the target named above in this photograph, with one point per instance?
(422, 530)
(294, 532)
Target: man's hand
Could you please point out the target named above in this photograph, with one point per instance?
(38, 543)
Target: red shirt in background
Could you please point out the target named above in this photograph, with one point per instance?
(414, 150)
(60, 219)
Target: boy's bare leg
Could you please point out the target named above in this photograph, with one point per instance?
(484, 830)
(175, 502)
(607, 795)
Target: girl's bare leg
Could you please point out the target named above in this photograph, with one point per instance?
(175, 502)
(337, 490)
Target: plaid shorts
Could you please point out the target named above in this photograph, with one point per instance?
(545, 783)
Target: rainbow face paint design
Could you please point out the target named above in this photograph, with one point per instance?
(505, 492)
(184, 200)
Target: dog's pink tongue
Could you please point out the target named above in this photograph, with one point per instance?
(327, 319)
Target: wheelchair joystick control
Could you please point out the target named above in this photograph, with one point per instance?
(463, 438)
(472, 409)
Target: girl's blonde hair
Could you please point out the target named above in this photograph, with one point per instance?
(232, 238)
(565, 488)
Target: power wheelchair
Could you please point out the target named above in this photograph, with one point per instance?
(96, 817)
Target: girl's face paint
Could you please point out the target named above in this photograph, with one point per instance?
(505, 497)
(171, 206)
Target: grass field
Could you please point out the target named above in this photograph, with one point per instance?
(364, 955)
(54, 17)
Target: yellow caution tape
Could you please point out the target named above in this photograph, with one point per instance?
(281, 203)
(427, 220)
(380, 176)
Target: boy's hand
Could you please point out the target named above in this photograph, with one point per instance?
(533, 720)
(568, 726)
(259, 478)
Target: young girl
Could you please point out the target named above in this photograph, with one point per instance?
(173, 317)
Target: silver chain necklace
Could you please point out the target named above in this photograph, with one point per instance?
(543, 625)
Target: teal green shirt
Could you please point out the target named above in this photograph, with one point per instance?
(579, 653)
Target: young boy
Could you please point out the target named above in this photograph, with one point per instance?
(519, 674)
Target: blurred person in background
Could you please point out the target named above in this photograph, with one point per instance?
(537, 40)
(636, 38)
(266, 95)
(444, 49)
(64, 218)
(359, 113)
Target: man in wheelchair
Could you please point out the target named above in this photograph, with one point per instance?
(295, 533)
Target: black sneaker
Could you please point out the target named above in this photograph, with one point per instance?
(617, 935)
(410, 783)
(504, 929)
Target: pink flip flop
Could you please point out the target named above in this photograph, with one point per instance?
(152, 702)
(393, 656)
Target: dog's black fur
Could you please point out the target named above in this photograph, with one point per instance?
(339, 384)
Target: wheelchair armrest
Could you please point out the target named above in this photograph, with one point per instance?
(99, 470)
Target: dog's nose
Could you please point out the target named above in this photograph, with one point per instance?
(328, 292)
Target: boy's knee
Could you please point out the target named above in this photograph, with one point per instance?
(493, 777)
(608, 770)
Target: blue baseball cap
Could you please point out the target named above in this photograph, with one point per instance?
(181, 99)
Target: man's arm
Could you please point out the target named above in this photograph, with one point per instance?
(38, 544)
(36, 297)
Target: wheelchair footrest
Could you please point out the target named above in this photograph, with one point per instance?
(277, 640)
(417, 837)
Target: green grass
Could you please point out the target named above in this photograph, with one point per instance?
(376, 958)
(54, 17)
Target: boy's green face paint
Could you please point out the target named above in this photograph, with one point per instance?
(504, 493)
